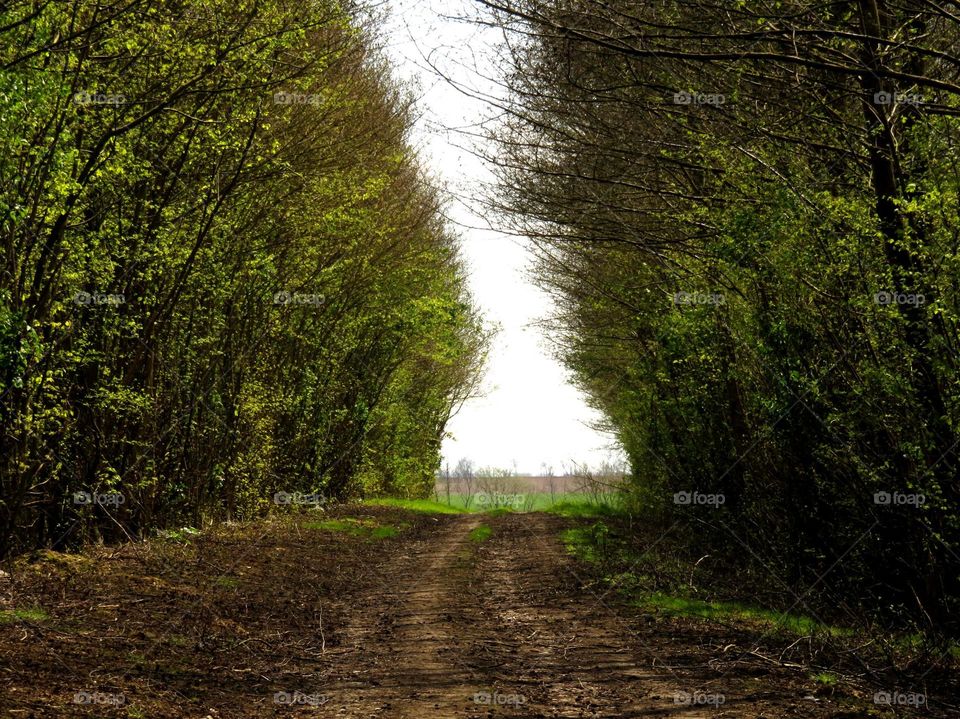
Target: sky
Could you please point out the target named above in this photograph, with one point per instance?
(529, 415)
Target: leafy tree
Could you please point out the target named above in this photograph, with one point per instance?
(224, 273)
(747, 214)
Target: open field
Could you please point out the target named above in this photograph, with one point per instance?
(522, 493)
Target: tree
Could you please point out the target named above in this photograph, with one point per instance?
(225, 274)
(746, 214)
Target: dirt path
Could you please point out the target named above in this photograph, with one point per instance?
(293, 620)
(503, 627)
(405, 653)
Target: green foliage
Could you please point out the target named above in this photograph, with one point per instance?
(225, 274)
(727, 275)
(182, 535)
(599, 545)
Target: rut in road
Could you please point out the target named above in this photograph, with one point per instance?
(300, 618)
(504, 627)
(405, 653)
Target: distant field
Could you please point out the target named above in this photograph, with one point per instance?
(523, 494)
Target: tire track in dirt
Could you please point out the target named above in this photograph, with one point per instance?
(421, 625)
(506, 628)
(571, 655)
(405, 654)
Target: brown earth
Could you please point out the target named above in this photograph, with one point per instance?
(281, 619)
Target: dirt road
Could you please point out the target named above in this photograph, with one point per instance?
(295, 620)
(504, 627)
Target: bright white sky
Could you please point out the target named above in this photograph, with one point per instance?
(529, 414)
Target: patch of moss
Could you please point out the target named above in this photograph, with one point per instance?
(32, 614)
(367, 528)
(825, 678)
(480, 533)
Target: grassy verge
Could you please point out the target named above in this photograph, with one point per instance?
(584, 508)
(366, 528)
(640, 581)
(427, 506)
(680, 606)
(657, 574)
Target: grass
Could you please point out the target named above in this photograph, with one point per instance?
(357, 527)
(42, 557)
(385, 532)
(580, 543)
(599, 544)
(480, 533)
(426, 506)
(34, 614)
(596, 545)
(915, 642)
(529, 502)
(679, 606)
(583, 508)
(568, 505)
